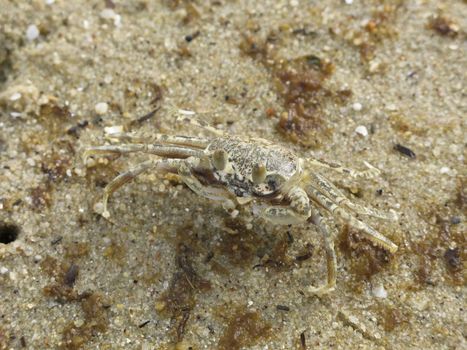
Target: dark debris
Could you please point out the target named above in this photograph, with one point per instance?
(443, 26)
(405, 151)
(452, 258)
(282, 308)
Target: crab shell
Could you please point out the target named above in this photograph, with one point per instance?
(283, 168)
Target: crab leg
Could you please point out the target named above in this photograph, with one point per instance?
(183, 116)
(366, 174)
(331, 259)
(368, 231)
(339, 198)
(157, 149)
(297, 212)
(123, 178)
(188, 141)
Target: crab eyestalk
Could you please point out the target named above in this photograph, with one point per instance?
(219, 159)
(258, 174)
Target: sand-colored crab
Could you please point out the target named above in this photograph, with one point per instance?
(236, 171)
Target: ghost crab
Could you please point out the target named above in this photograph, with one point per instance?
(236, 171)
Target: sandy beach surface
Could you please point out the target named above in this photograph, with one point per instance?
(346, 81)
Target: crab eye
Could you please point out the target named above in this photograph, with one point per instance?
(258, 174)
(219, 159)
(274, 181)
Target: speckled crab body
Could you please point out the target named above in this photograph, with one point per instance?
(236, 171)
(243, 158)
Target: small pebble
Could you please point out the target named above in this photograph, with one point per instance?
(391, 107)
(112, 130)
(32, 32)
(186, 112)
(380, 292)
(108, 79)
(101, 108)
(3, 270)
(117, 20)
(362, 130)
(15, 114)
(98, 208)
(16, 96)
(348, 2)
(357, 106)
(110, 14)
(79, 323)
(393, 215)
(444, 170)
(374, 66)
(107, 14)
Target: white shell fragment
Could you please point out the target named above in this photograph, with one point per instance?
(186, 112)
(379, 291)
(444, 170)
(16, 96)
(113, 130)
(15, 114)
(101, 108)
(32, 32)
(357, 106)
(111, 15)
(362, 130)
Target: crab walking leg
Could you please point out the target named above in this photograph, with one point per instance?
(184, 117)
(123, 178)
(297, 212)
(368, 231)
(339, 198)
(366, 174)
(157, 149)
(188, 141)
(331, 260)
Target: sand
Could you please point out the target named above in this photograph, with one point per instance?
(346, 81)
